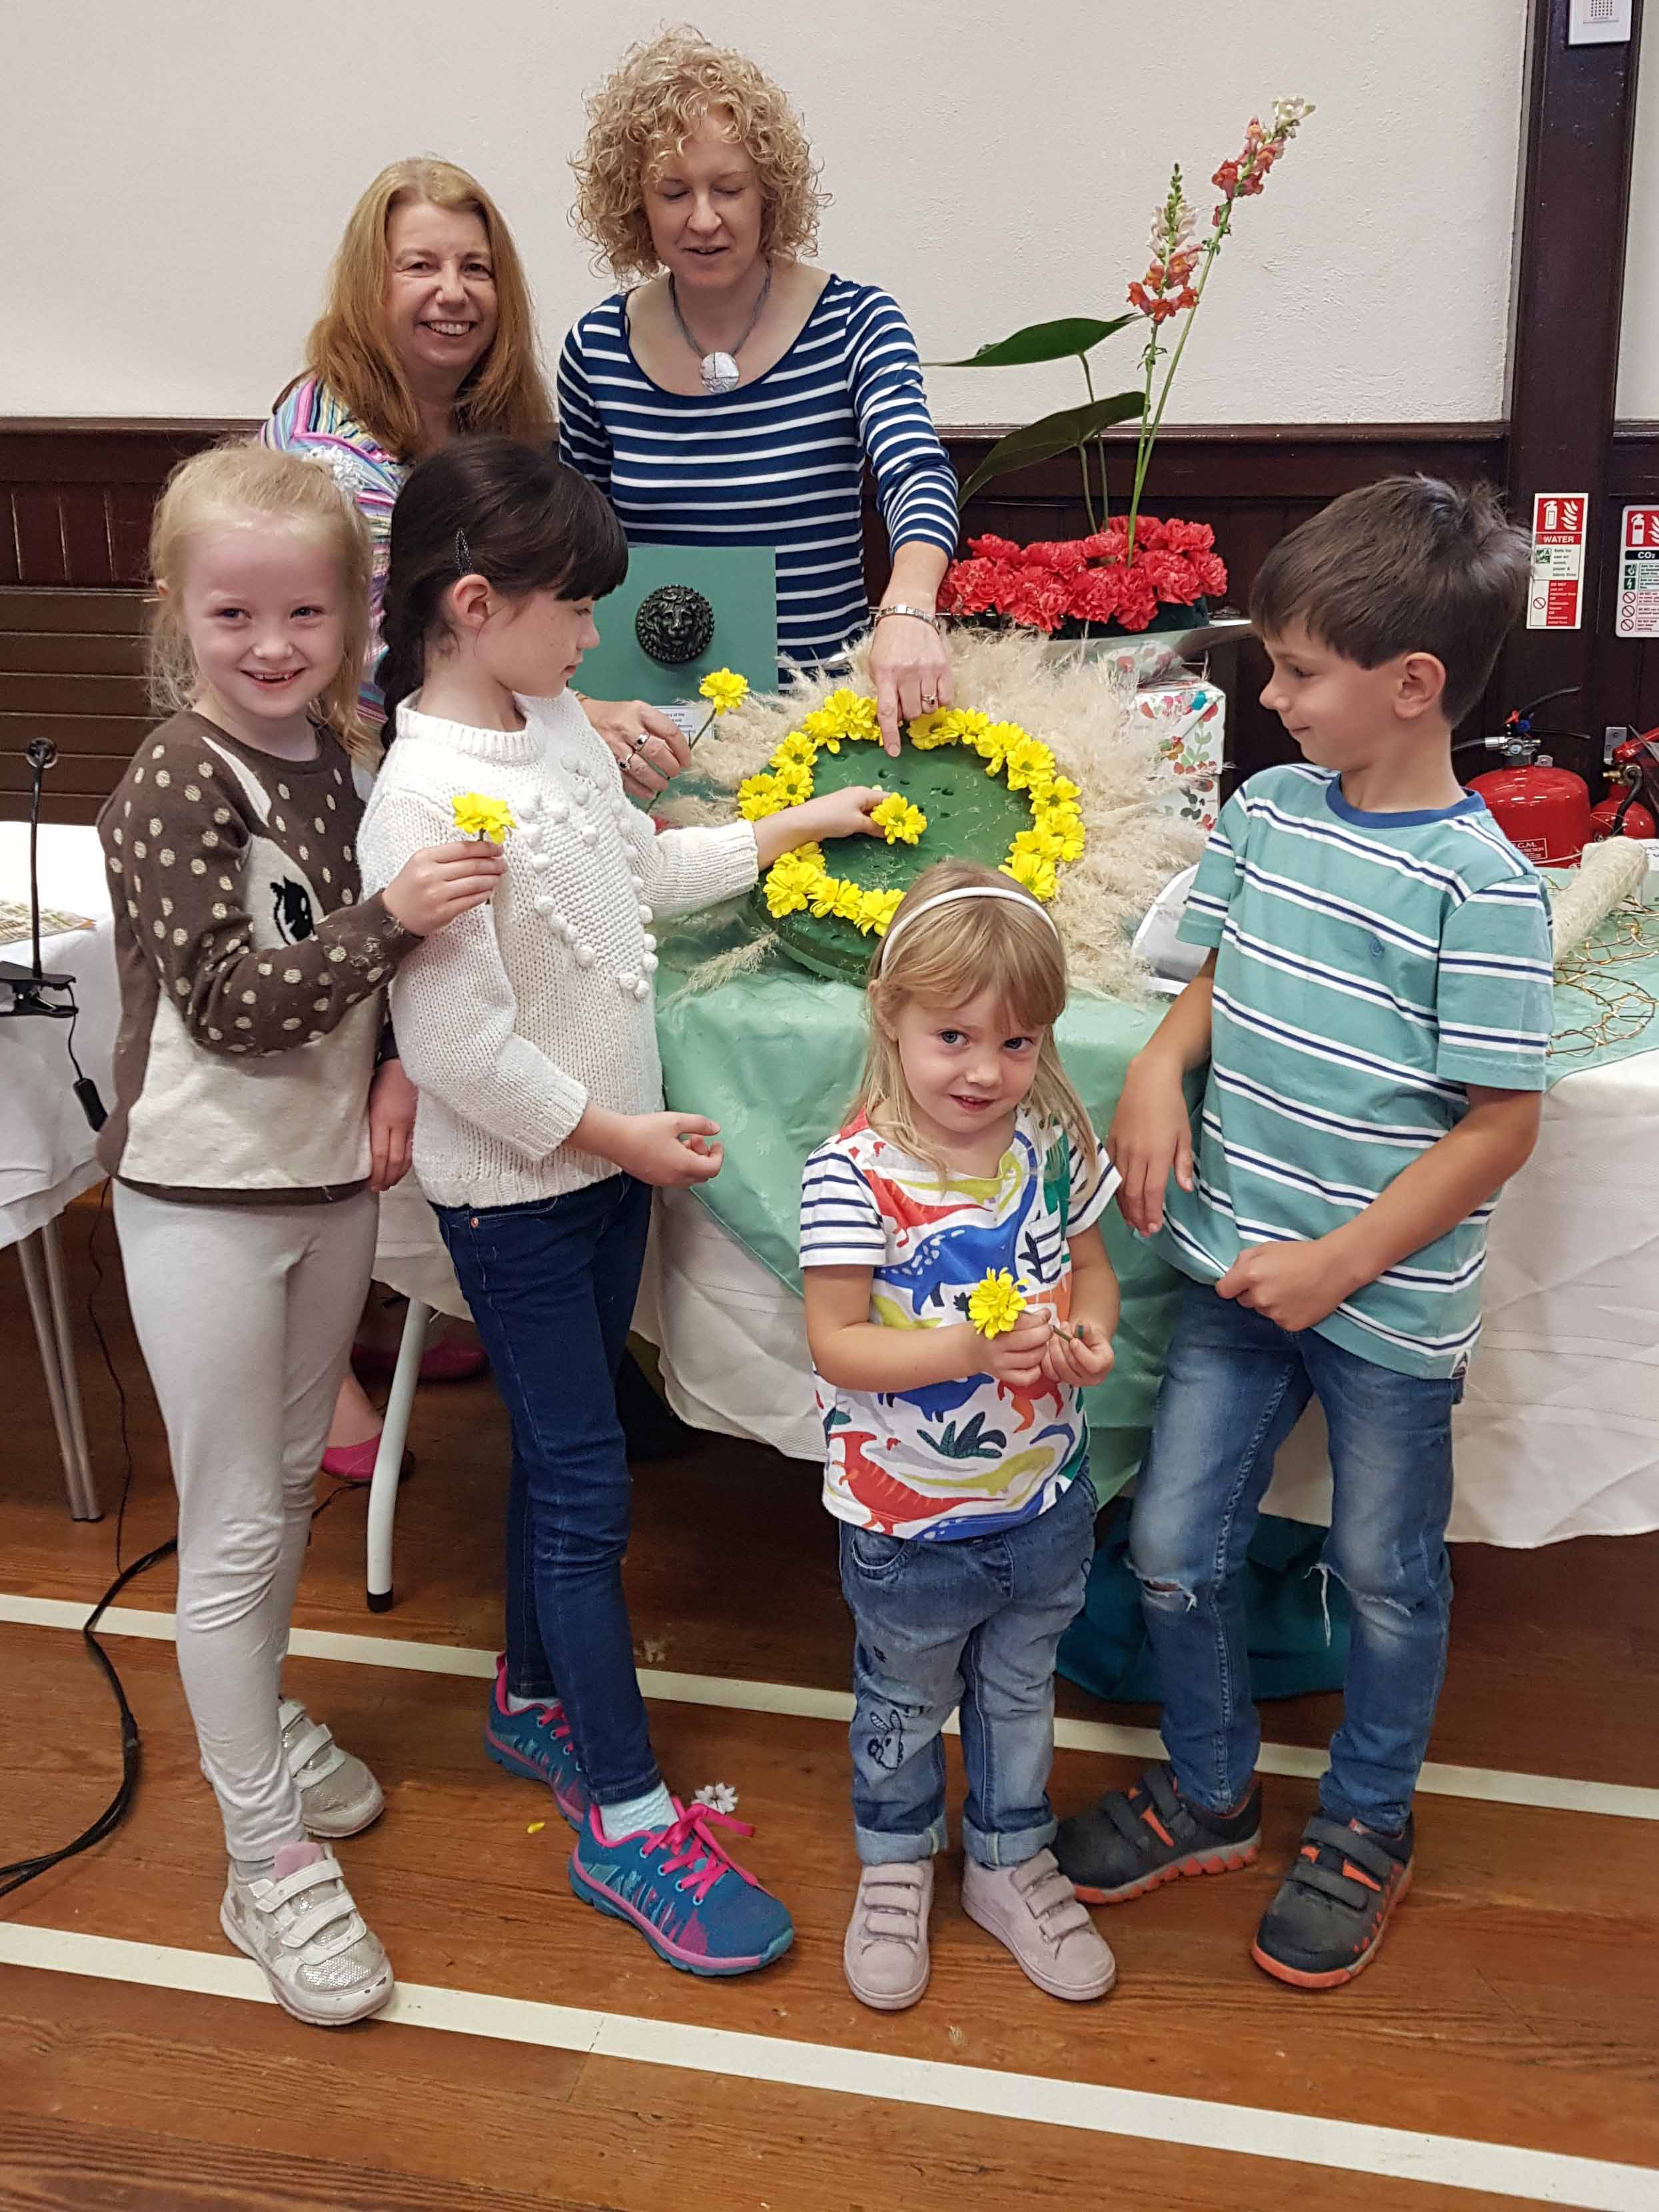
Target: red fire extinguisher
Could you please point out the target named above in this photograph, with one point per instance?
(1544, 811)
(1632, 768)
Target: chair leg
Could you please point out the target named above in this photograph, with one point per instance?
(388, 1461)
(57, 1291)
(40, 1285)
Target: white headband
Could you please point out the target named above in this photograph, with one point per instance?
(909, 913)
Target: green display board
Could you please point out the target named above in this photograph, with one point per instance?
(740, 584)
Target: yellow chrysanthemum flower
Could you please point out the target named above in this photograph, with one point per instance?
(1036, 874)
(852, 715)
(790, 880)
(930, 730)
(899, 821)
(1029, 760)
(996, 1303)
(886, 906)
(477, 816)
(723, 687)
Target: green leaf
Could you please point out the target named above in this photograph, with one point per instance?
(1057, 341)
(1064, 433)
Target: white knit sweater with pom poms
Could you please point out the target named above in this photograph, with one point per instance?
(516, 1018)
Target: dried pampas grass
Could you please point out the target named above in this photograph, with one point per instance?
(1135, 844)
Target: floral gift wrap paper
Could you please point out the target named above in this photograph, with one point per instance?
(1191, 721)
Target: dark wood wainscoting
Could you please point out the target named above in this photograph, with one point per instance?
(76, 499)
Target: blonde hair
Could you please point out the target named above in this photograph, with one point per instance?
(232, 484)
(349, 348)
(948, 957)
(658, 95)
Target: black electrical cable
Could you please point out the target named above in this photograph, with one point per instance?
(20, 1871)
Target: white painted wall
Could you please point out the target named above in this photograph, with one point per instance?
(1638, 351)
(176, 175)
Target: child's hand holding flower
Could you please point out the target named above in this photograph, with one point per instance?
(1081, 1355)
(1009, 1342)
(995, 1304)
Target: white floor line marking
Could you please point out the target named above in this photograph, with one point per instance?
(1443, 2161)
(1487, 1785)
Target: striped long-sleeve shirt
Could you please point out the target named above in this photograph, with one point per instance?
(313, 421)
(1369, 968)
(775, 462)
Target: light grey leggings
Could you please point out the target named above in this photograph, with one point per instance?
(245, 1314)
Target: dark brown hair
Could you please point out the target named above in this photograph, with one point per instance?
(489, 507)
(1405, 565)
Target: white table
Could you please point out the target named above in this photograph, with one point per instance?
(1559, 1432)
(46, 1144)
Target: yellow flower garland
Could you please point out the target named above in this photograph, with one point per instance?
(799, 879)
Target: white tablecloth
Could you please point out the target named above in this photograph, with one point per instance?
(1559, 1432)
(45, 1145)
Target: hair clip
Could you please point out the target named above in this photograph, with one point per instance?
(463, 554)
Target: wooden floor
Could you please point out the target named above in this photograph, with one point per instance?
(1516, 2004)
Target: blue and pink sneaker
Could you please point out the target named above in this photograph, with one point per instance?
(536, 1744)
(694, 1906)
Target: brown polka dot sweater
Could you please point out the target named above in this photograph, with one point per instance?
(252, 973)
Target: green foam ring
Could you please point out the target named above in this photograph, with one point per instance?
(972, 816)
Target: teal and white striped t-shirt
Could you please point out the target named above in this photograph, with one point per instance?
(1368, 967)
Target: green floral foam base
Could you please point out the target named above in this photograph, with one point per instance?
(972, 816)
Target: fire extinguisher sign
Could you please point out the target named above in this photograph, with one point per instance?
(1555, 598)
(1638, 614)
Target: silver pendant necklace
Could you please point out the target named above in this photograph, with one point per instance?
(720, 371)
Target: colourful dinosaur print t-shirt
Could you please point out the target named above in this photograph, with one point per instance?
(954, 1459)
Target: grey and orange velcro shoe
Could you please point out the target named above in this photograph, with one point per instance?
(1334, 1907)
(1131, 1840)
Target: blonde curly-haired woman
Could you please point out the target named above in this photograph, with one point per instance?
(731, 393)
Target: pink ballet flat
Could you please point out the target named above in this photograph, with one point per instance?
(449, 1360)
(356, 1462)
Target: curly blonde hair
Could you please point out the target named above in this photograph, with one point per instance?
(349, 347)
(659, 94)
(232, 484)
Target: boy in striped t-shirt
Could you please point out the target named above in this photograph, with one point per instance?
(1376, 1015)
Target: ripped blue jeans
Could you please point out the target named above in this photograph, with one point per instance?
(1234, 1386)
(969, 1623)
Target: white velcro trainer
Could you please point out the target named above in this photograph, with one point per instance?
(322, 1962)
(339, 1795)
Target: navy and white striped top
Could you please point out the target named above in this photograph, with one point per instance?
(775, 463)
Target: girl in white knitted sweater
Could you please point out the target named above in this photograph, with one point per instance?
(528, 1027)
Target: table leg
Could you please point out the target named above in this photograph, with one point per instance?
(49, 1310)
(388, 1461)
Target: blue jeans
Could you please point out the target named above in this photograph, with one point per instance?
(1233, 1388)
(551, 1286)
(975, 1621)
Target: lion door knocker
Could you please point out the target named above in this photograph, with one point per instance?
(674, 624)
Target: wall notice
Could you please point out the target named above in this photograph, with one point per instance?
(1555, 598)
(1637, 611)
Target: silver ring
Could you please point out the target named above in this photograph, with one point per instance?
(928, 705)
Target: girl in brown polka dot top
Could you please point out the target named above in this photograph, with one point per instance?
(252, 982)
